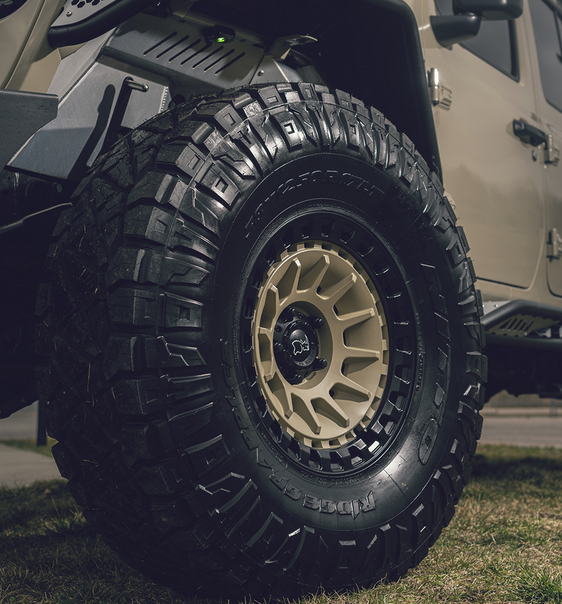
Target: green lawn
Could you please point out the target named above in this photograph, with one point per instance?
(503, 545)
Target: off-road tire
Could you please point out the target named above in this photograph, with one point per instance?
(198, 446)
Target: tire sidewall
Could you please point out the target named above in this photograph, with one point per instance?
(335, 184)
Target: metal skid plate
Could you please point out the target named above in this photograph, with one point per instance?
(520, 326)
(68, 145)
(154, 51)
(523, 323)
(159, 54)
(179, 49)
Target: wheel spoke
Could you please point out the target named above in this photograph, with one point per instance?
(305, 410)
(268, 368)
(271, 308)
(313, 277)
(361, 353)
(288, 283)
(346, 386)
(265, 353)
(329, 407)
(282, 396)
(354, 318)
(339, 289)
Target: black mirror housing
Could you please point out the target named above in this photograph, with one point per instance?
(490, 10)
(464, 24)
(452, 29)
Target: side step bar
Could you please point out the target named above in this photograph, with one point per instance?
(510, 323)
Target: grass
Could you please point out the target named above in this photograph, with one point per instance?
(504, 545)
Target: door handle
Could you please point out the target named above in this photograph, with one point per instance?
(529, 134)
(535, 137)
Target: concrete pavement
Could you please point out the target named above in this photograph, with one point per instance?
(525, 421)
(20, 425)
(523, 430)
(20, 468)
(521, 426)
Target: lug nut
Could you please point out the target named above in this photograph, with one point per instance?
(319, 364)
(315, 322)
(297, 379)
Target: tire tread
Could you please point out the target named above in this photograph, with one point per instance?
(129, 275)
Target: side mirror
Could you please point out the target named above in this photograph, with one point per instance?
(452, 29)
(465, 23)
(490, 10)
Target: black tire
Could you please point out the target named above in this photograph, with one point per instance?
(160, 319)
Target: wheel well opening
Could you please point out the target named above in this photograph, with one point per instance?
(369, 48)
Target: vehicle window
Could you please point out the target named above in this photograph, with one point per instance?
(495, 42)
(547, 24)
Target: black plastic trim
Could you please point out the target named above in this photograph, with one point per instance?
(99, 23)
(452, 29)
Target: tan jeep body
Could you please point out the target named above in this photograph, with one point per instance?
(506, 200)
(243, 406)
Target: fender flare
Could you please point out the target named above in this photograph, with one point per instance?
(378, 56)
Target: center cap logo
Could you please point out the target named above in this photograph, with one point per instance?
(300, 346)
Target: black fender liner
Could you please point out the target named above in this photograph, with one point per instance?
(370, 48)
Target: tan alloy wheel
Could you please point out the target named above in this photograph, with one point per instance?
(318, 298)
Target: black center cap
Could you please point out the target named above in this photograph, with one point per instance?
(295, 343)
(302, 346)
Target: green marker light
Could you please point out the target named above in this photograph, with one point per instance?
(219, 34)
